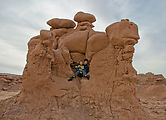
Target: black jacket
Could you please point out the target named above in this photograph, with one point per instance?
(86, 67)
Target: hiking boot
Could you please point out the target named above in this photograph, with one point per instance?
(87, 76)
(70, 79)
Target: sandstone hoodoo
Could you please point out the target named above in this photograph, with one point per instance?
(61, 23)
(109, 94)
(83, 17)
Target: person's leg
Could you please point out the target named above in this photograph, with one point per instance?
(76, 73)
(88, 77)
(83, 73)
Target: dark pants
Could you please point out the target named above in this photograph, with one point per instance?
(83, 73)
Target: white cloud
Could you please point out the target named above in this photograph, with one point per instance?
(145, 57)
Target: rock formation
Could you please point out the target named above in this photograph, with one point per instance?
(9, 82)
(110, 94)
(151, 93)
(10, 85)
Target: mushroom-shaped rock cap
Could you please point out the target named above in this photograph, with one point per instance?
(61, 23)
(82, 17)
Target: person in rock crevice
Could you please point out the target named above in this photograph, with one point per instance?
(81, 69)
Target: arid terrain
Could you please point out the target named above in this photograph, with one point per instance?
(10, 85)
(150, 92)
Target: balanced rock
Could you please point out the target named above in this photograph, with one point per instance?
(82, 17)
(61, 23)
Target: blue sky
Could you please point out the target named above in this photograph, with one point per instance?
(22, 19)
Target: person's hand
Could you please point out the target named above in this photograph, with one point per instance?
(82, 67)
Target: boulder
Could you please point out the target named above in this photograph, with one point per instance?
(96, 43)
(83, 17)
(57, 23)
(76, 57)
(75, 42)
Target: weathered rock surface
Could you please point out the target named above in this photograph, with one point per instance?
(151, 93)
(83, 17)
(9, 82)
(57, 23)
(10, 85)
(110, 94)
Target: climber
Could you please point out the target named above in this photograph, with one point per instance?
(86, 67)
(81, 69)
